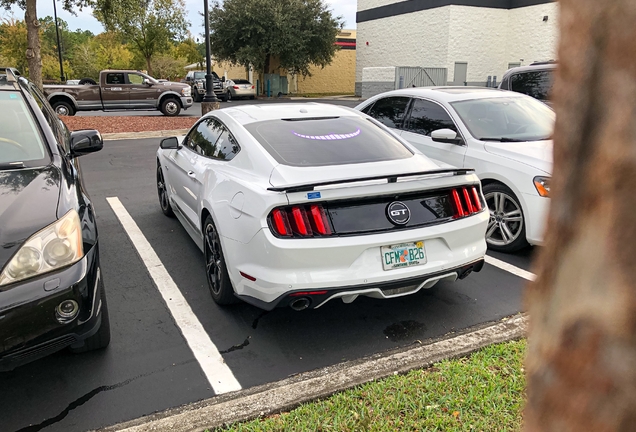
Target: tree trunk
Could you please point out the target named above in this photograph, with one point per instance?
(581, 363)
(148, 66)
(34, 59)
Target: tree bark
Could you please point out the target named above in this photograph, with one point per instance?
(581, 364)
(149, 66)
(33, 56)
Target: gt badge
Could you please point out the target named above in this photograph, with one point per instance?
(398, 213)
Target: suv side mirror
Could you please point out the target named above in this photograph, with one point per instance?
(85, 142)
(446, 136)
(171, 143)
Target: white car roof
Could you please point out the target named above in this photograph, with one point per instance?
(451, 94)
(246, 114)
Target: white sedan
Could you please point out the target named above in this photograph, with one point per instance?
(504, 136)
(298, 204)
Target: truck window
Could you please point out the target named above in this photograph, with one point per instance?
(135, 79)
(115, 78)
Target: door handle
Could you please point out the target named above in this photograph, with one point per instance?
(192, 174)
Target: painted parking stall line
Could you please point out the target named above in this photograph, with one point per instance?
(511, 268)
(216, 370)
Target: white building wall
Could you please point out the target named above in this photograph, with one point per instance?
(487, 39)
(477, 36)
(529, 37)
(415, 39)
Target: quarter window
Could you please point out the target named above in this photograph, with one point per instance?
(427, 117)
(536, 84)
(390, 111)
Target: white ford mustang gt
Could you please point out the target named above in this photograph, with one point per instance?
(298, 204)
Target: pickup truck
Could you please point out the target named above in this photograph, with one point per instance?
(120, 90)
(196, 79)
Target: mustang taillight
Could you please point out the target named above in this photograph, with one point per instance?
(300, 221)
(466, 201)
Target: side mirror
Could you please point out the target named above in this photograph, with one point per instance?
(446, 136)
(171, 143)
(85, 142)
(147, 82)
(188, 79)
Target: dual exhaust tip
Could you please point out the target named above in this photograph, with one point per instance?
(300, 303)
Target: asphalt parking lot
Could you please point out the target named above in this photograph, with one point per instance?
(150, 367)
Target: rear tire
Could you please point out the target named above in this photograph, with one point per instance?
(170, 107)
(101, 339)
(198, 97)
(215, 268)
(63, 108)
(229, 96)
(162, 191)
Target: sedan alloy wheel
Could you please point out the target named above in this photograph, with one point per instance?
(215, 269)
(506, 230)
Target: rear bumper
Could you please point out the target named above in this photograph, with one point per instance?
(284, 266)
(29, 328)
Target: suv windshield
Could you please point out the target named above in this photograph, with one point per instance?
(201, 75)
(20, 142)
(326, 141)
(513, 119)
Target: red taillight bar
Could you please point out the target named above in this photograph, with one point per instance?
(306, 293)
(320, 220)
(301, 222)
(471, 209)
(281, 223)
(477, 199)
(458, 204)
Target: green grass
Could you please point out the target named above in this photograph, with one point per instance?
(482, 392)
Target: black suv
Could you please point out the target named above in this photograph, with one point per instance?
(534, 80)
(196, 79)
(51, 287)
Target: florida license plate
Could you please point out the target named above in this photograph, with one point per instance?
(403, 255)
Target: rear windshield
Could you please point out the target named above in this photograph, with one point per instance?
(20, 141)
(241, 81)
(327, 141)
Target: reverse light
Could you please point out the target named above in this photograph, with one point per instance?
(56, 246)
(542, 184)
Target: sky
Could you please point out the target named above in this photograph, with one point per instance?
(85, 21)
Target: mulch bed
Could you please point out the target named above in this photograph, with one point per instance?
(117, 124)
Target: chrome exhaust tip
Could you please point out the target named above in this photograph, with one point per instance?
(300, 303)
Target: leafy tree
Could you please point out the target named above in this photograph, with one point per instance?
(13, 43)
(168, 67)
(189, 50)
(33, 55)
(148, 25)
(298, 33)
(68, 39)
(111, 52)
(84, 61)
(51, 67)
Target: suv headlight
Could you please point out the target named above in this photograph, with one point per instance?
(542, 184)
(56, 246)
(186, 91)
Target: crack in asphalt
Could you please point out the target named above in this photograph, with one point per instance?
(245, 343)
(88, 396)
(258, 318)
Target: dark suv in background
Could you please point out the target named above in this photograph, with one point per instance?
(51, 287)
(534, 80)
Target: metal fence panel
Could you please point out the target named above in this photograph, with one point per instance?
(415, 76)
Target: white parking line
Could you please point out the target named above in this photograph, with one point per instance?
(216, 370)
(510, 268)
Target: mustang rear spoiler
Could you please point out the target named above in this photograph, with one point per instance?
(392, 178)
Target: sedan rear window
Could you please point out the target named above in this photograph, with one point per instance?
(326, 141)
(20, 141)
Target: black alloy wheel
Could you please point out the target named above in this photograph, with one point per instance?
(506, 230)
(162, 191)
(216, 271)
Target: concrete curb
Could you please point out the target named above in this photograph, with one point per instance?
(291, 392)
(142, 135)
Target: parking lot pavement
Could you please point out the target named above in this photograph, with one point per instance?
(195, 109)
(149, 365)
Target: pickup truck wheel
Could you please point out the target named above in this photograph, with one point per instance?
(63, 108)
(170, 107)
(198, 97)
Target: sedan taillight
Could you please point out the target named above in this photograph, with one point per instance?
(300, 221)
(466, 201)
(235, 87)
